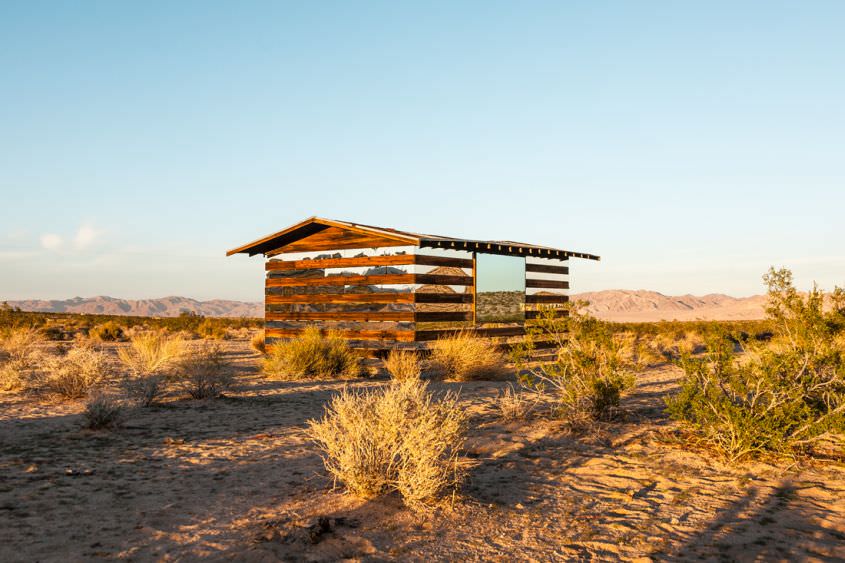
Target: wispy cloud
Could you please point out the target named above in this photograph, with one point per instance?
(85, 236)
(52, 241)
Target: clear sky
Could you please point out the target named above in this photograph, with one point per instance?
(691, 145)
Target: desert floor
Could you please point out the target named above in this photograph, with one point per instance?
(236, 479)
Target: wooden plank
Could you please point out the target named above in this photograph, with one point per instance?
(398, 335)
(342, 280)
(551, 284)
(546, 298)
(437, 279)
(400, 260)
(442, 297)
(426, 260)
(546, 269)
(385, 297)
(378, 279)
(362, 316)
(363, 261)
(425, 335)
(438, 317)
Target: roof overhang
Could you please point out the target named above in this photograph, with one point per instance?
(314, 225)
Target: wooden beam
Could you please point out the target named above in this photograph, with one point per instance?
(547, 269)
(363, 261)
(378, 279)
(550, 284)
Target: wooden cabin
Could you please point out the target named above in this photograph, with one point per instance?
(384, 288)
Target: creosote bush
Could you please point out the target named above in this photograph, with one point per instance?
(148, 360)
(587, 380)
(312, 355)
(20, 358)
(782, 396)
(464, 357)
(103, 411)
(203, 371)
(108, 331)
(396, 438)
(75, 373)
(403, 364)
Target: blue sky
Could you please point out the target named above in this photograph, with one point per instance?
(691, 145)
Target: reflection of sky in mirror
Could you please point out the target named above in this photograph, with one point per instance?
(500, 273)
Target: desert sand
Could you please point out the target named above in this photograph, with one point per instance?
(237, 479)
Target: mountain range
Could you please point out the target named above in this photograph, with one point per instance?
(620, 305)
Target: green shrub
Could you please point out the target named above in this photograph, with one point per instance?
(397, 438)
(590, 374)
(108, 331)
(312, 355)
(209, 328)
(780, 396)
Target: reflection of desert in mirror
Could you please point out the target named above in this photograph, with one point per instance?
(500, 287)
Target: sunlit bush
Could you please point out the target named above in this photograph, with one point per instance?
(311, 354)
(148, 361)
(464, 357)
(403, 364)
(780, 396)
(397, 438)
(74, 374)
(20, 358)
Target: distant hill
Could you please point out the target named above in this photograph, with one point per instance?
(614, 305)
(647, 306)
(163, 307)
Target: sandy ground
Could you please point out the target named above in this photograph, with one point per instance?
(236, 479)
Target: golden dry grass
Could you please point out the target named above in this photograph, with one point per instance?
(312, 354)
(20, 356)
(148, 360)
(403, 365)
(75, 373)
(258, 342)
(464, 357)
(398, 438)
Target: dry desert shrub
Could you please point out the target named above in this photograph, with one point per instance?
(397, 438)
(312, 355)
(148, 360)
(203, 371)
(20, 358)
(464, 357)
(73, 374)
(258, 342)
(403, 365)
(516, 404)
(103, 411)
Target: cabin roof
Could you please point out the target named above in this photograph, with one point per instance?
(313, 225)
